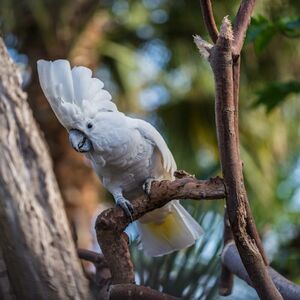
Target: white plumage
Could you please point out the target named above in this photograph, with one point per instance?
(124, 151)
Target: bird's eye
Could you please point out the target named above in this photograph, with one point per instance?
(89, 125)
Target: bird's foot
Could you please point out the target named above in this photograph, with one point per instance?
(147, 185)
(126, 206)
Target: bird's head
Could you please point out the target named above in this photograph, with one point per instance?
(76, 98)
(79, 141)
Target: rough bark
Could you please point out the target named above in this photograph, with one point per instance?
(135, 292)
(231, 259)
(112, 222)
(6, 292)
(35, 237)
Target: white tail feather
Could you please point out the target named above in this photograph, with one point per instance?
(178, 231)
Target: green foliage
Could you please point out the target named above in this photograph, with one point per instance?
(275, 93)
(262, 30)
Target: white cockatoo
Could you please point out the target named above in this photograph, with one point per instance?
(125, 152)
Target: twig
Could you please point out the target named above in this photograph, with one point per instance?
(91, 256)
(236, 200)
(231, 259)
(135, 292)
(209, 19)
(241, 24)
(112, 222)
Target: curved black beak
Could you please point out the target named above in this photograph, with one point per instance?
(79, 141)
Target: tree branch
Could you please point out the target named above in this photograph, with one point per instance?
(91, 256)
(231, 259)
(135, 292)
(241, 24)
(112, 222)
(226, 277)
(236, 200)
(101, 280)
(239, 31)
(209, 20)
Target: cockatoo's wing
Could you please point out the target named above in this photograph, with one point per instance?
(170, 227)
(151, 134)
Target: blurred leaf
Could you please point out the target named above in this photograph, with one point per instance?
(290, 27)
(275, 93)
(40, 13)
(262, 30)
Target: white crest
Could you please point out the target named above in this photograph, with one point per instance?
(74, 95)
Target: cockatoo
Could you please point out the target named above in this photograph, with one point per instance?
(125, 152)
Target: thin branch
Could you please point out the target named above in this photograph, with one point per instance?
(226, 277)
(231, 259)
(112, 222)
(236, 67)
(253, 233)
(209, 20)
(241, 24)
(236, 200)
(251, 228)
(101, 280)
(91, 256)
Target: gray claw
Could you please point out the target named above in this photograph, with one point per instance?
(147, 185)
(126, 206)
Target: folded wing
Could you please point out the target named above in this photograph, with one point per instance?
(151, 134)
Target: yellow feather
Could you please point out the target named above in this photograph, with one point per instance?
(165, 229)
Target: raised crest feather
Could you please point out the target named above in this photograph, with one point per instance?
(74, 95)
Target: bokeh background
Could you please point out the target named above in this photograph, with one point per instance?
(144, 53)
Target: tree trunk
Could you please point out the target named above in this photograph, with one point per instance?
(36, 242)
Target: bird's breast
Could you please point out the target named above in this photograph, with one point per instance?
(123, 158)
